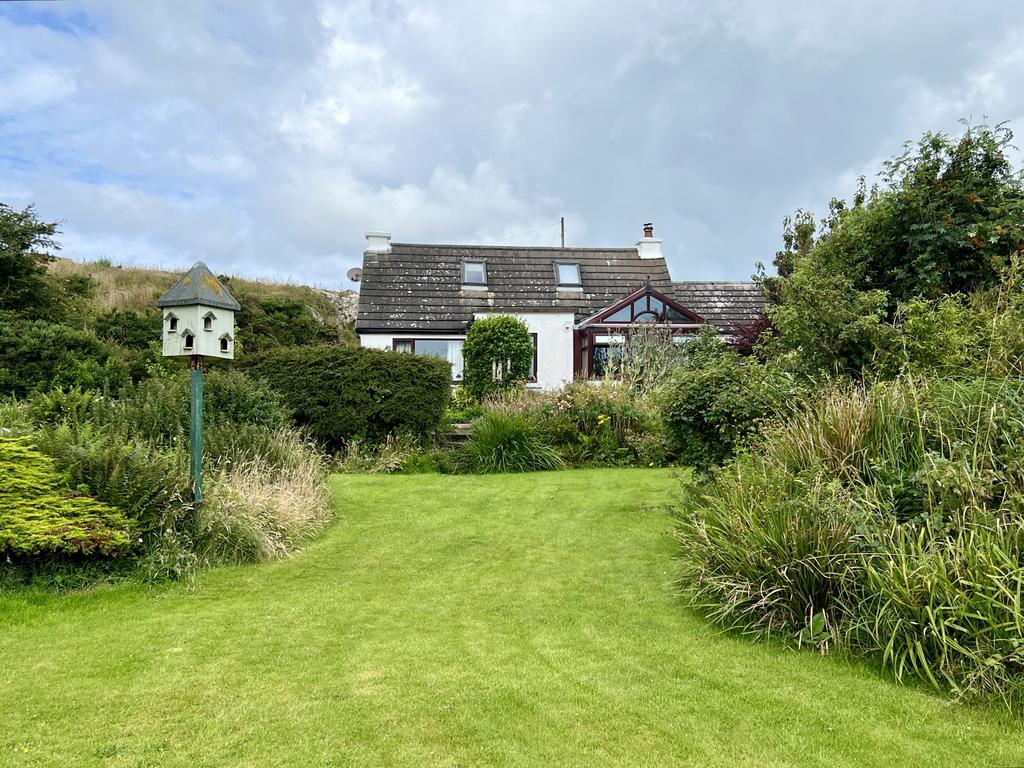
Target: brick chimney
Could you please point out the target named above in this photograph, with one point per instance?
(649, 247)
(378, 242)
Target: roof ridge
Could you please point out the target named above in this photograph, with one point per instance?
(623, 249)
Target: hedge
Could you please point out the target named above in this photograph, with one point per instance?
(352, 393)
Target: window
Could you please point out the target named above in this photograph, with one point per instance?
(646, 309)
(172, 322)
(568, 275)
(190, 341)
(223, 343)
(446, 349)
(474, 273)
(208, 319)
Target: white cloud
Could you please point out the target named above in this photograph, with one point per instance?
(268, 136)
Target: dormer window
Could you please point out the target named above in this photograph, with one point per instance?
(172, 322)
(208, 319)
(568, 275)
(474, 274)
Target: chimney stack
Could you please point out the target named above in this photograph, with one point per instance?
(378, 242)
(649, 247)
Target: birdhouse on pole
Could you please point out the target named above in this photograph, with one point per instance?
(198, 316)
(198, 321)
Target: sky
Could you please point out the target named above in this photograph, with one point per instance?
(267, 136)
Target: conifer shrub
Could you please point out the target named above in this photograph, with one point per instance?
(40, 516)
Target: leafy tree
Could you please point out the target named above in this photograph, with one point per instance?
(498, 354)
(25, 242)
(948, 219)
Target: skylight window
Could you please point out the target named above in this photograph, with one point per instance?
(568, 275)
(474, 273)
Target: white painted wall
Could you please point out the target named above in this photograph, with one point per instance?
(554, 344)
(207, 343)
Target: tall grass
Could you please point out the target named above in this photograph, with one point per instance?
(886, 524)
(508, 441)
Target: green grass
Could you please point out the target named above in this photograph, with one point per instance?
(456, 621)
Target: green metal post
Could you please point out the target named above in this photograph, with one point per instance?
(196, 465)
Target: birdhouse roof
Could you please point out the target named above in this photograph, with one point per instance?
(199, 286)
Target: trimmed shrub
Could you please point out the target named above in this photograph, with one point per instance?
(498, 354)
(40, 516)
(508, 442)
(341, 394)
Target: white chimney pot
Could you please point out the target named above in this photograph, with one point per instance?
(378, 242)
(649, 247)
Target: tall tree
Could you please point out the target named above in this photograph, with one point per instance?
(26, 246)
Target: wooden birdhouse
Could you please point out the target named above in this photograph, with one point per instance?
(198, 316)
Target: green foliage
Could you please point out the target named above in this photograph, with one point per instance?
(41, 517)
(948, 221)
(36, 355)
(885, 523)
(718, 400)
(502, 344)
(508, 442)
(604, 425)
(147, 485)
(273, 321)
(159, 409)
(129, 329)
(25, 243)
(341, 394)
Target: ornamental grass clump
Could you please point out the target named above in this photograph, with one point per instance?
(256, 509)
(505, 441)
(887, 523)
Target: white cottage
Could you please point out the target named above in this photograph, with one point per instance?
(578, 303)
(198, 316)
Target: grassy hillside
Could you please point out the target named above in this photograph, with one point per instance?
(114, 287)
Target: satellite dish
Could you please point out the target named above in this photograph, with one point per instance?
(355, 274)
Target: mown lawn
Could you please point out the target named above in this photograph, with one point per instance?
(454, 621)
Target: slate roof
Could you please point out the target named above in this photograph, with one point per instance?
(419, 287)
(198, 286)
(723, 304)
